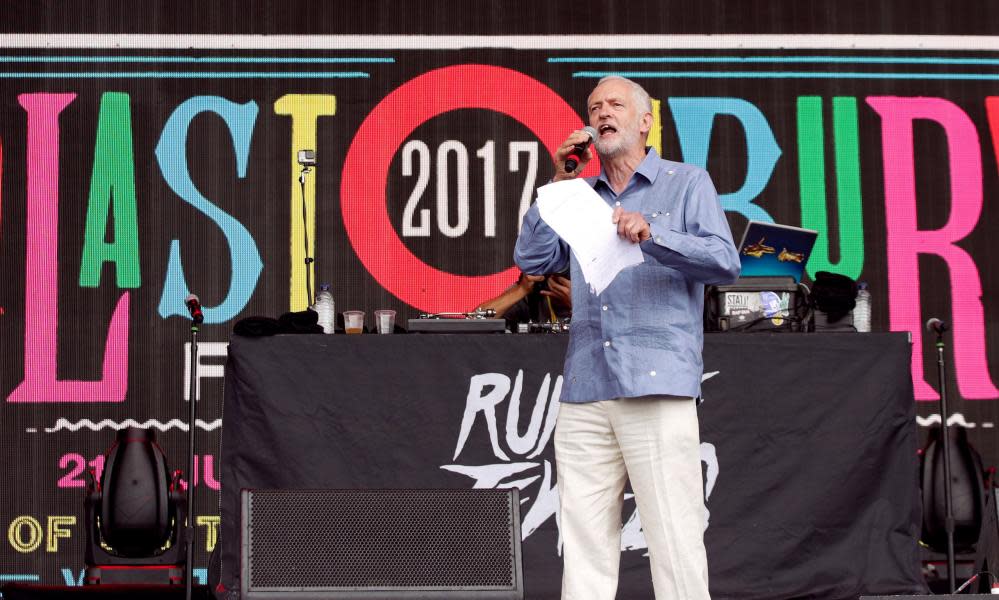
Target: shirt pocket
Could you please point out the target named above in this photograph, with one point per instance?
(654, 301)
(664, 210)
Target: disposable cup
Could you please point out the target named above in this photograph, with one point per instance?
(353, 321)
(385, 320)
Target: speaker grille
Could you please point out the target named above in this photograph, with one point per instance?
(380, 539)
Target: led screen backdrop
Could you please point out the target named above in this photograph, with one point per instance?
(135, 170)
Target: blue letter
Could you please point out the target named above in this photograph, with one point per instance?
(171, 153)
(694, 119)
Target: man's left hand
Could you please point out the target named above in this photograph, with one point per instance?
(631, 225)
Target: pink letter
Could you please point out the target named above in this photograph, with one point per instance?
(41, 310)
(905, 242)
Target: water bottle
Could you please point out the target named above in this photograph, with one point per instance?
(862, 311)
(325, 308)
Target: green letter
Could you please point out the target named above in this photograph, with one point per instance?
(112, 181)
(812, 174)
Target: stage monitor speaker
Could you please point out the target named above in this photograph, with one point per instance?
(384, 544)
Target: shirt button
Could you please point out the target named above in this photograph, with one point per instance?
(604, 307)
(659, 240)
(665, 214)
(618, 203)
(607, 344)
(654, 215)
(652, 373)
(670, 172)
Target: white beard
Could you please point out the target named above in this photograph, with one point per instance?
(626, 138)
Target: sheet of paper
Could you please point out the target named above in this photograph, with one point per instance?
(582, 218)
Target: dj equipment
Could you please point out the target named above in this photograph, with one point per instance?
(477, 321)
(756, 304)
(560, 326)
(457, 325)
(381, 544)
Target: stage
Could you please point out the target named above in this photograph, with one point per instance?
(808, 447)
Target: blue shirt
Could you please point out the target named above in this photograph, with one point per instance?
(642, 335)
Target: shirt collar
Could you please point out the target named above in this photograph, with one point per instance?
(648, 168)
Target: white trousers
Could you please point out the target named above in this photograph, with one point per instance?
(654, 442)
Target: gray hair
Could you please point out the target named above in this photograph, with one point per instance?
(639, 94)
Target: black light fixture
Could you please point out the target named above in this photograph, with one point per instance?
(135, 516)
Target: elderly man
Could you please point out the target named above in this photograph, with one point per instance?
(633, 369)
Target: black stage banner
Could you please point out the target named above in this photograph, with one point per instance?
(808, 445)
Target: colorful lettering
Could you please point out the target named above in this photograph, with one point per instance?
(21, 541)
(812, 173)
(112, 183)
(41, 275)
(905, 241)
(656, 133)
(695, 119)
(305, 110)
(171, 153)
(57, 530)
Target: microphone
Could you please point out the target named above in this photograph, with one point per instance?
(937, 326)
(572, 161)
(194, 307)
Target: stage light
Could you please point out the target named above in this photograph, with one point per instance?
(135, 516)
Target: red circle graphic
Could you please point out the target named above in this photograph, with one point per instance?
(366, 167)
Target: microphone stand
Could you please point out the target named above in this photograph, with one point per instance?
(305, 233)
(948, 491)
(191, 475)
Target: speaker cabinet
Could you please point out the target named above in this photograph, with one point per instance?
(385, 544)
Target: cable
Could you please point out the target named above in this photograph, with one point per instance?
(551, 310)
(973, 579)
(305, 233)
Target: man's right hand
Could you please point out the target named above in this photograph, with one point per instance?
(577, 137)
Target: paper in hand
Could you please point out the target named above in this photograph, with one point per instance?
(582, 218)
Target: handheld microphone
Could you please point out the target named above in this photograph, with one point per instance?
(937, 326)
(194, 307)
(572, 161)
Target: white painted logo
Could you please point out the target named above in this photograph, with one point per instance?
(519, 464)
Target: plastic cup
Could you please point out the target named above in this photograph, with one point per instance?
(385, 320)
(353, 321)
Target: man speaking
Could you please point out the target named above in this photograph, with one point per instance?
(633, 369)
